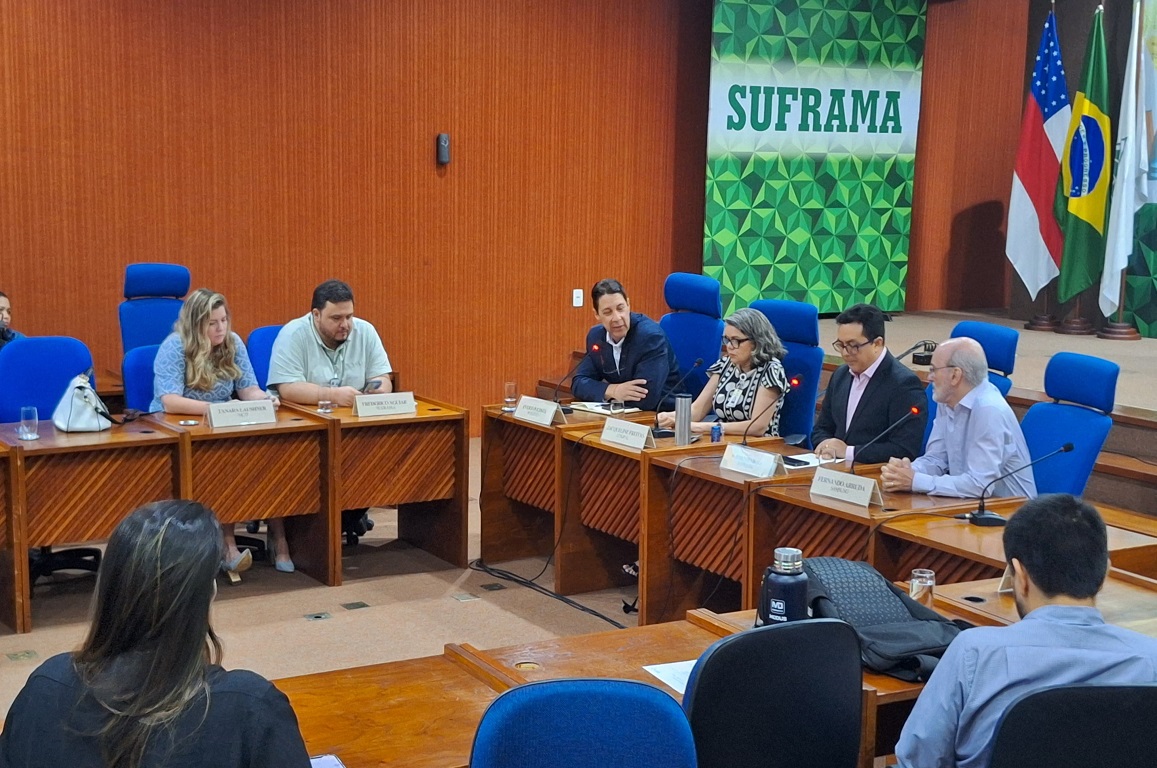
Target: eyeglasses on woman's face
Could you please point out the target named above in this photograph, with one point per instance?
(734, 342)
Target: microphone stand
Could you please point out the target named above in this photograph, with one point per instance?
(985, 519)
(911, 412)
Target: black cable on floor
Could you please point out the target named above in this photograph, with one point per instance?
(500, 573)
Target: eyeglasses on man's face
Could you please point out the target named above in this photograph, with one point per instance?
(851, 347)
(734, 342)
(932, 369)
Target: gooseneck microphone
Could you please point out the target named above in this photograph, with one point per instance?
(568, 374)
(913, 411)
(794, 382)
(982, 517)
(655, 431)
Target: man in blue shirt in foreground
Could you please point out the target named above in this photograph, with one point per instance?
(1057, 548)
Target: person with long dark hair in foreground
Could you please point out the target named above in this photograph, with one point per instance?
(146, 688)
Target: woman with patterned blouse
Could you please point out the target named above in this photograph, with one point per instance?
(203, 362)
(746, 386)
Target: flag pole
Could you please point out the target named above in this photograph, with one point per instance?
(1119, 330)
(1076, 324)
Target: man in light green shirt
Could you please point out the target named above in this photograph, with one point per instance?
(328, 351)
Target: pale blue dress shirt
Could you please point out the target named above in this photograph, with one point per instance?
(169, 374)
(985, 669)
(973, 444)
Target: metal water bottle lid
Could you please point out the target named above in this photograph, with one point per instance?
(788, 560)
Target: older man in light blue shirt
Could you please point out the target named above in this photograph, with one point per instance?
(975, 437)
(1057, 548)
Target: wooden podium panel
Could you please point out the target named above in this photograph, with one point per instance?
(261, 471)
(695, 532)
(67, 488)
(520, 470)
(417, 463)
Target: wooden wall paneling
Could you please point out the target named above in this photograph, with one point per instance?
(969, 125)
(271, 145)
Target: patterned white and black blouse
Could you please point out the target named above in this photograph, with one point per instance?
(735, 395)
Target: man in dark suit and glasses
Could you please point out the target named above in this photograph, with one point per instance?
(867, 394)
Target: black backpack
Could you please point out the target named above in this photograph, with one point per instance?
(898, 636)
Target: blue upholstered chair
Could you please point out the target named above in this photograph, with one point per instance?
(931, 417)
(694, 325)
(153, 297)
(999, 345)
(798, 326)
(37, 371)
(137, 372)
(783, 695)
(1088, 385)
(260, 347)
(583, 723)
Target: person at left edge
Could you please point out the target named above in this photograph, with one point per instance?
(634, 363)
(6, 332)
(203, 362)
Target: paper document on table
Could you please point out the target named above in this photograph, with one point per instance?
(601, 408)
(326, 761)
(809, 460)
(674, 674)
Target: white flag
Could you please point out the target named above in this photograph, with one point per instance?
(1130, 184)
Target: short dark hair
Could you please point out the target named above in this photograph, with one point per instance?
(1062, 543)
(606, 288)
(3, 295)
(331, 292)
(867, 315)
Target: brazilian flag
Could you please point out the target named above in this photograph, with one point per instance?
(1082, 200)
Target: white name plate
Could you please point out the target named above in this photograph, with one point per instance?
(538, 411)
(236, 413)
(861, 491)
(389, 404)
(750, 461)
(627, 434)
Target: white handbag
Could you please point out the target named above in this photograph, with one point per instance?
(81, 410)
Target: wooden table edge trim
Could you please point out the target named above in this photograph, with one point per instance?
(480, 666)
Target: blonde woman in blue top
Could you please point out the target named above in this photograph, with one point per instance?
(746, 386)
(203, 362)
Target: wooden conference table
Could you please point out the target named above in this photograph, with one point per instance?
(67, 488)
(422, 713)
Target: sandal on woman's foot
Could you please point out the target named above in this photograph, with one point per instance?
(631, 569)
(282, 562)
(240, 563)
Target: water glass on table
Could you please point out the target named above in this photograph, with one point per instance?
(509, 397)
(29, 428)
(921, 585)
(324, 400)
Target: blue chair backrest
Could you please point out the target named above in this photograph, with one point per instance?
(931, 417)
(36, 371)
(137, 372)
(583, 723)
(694, 327)
(153, 297)
(260, 347)
(798, 326)
(1089, 385)
(999, 345)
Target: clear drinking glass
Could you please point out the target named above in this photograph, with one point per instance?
(921, 585)
(324, 400)
(509, 396)
(29, 428)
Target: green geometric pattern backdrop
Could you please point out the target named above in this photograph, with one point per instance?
(811, 150)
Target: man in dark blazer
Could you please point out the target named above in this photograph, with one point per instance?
(875, 389)
(629, 359)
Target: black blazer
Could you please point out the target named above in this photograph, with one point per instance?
(891, 393)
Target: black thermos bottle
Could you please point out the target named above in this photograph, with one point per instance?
(783, 596)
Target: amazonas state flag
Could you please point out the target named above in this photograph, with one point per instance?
(1082, 201)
